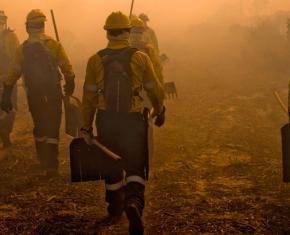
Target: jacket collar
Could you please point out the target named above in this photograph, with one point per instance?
(118, 44)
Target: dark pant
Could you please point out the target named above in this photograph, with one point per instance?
(46, 115)
(126, 135)
(7, 121)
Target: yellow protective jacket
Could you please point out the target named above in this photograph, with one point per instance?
(54, 48)
(143, 77)
(151, 38)
(155, 59)
(8, 46)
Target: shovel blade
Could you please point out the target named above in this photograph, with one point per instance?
(89, 162)
(73, 121)
(285, 132)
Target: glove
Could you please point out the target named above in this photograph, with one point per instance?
(87, 135)
(6, 103)
(160, 118)
(69, 87)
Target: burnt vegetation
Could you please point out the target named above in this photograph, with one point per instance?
(217, 163)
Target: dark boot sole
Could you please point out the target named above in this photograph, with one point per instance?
(109, 220)
(136, 225)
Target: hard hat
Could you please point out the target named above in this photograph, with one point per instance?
(117, 20)
(144, 17)
(137, 23)
(3, 17)
(35, 16)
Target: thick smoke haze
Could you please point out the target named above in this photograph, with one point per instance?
(86, 18)
(180, 25)
(217, 165)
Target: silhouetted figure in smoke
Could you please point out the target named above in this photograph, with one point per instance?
(8, 46)
(39, 59)
(137, 40)
(149, 34)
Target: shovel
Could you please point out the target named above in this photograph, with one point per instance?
(285, 133)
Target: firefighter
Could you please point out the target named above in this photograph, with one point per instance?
(114, 78)
(150, 35)
(40, 59)
(138, 40)
(8, 45)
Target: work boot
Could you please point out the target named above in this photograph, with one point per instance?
(6, 140)
(115, 208)
(40, 153)
(51, 157)
(135, 220)
(109, 220)
(134, 205)
(50, 160)
(116, 202)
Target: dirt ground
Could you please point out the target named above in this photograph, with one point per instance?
(216, 169)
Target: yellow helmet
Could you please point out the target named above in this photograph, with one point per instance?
(117, 20)
(35, 16)
(138, 23)
(3, 17)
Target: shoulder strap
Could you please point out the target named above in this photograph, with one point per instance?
(125, 54)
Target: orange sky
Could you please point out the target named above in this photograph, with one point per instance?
(83, 19)
(93, 12)
(90, 14)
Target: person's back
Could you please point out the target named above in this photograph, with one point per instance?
(39, 59)
(138, 40)
(41, 56)
(40, 69)
(114, 78)
(149, 34)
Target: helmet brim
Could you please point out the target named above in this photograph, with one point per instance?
(116, 27)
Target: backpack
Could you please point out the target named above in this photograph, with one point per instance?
(117, 90)
(4, 57)
(41, 72)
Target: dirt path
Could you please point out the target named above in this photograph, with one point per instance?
(216, 171)
(224, 175)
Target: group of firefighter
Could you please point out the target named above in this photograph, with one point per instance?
(123, 88)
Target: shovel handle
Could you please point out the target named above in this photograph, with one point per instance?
(106, 150)
(283, 106)
(54, 25)
(131, 9)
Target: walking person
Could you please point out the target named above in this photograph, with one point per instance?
(40, 59)
(114, 78)
(8, 46)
